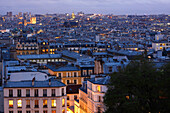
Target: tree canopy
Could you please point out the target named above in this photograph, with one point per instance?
(139, 88)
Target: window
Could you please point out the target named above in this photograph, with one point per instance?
(84, 72)
(19, 111)
(27, 103)
(62, 91)
(68, 104)
(59, 75)
(68, 81)
(75, 81)
(68, 74)
(53, 111)
(11, 103)
(45, 111)
(44, 103)
(110, 69)
(53, 103)
(19, 103)
(28, 111)
(67, 97)
(36, 111)
(36, 92)
(75, 74)
(63, 111)
(44, 92)
(100, 99)
(36, 104)
(63, 102)
(10, 93)
(75, 97)
(98, 88)
(90, 72)
(53, 92)
(27, 92)
(10, 111)
(19, 92)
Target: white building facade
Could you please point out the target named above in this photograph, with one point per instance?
(35, 97)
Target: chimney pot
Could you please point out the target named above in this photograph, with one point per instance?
(49, 82)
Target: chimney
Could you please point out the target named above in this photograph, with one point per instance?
(33, 80)
(49, 82)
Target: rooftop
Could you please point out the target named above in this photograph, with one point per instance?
(101, 81)
(40, 56)
(37, 84)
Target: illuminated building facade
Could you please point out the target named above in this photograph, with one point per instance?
(35, 97)
(91, 96)
(68, 74)
(27, 46)
(33, 20)
(160, 45)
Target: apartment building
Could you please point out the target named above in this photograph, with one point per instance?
(91, 96)
(35, 97)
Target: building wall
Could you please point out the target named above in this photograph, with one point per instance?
(83, 101)
(70, 101)
(71, 77)
(32, 99)
(160, 46)
(94, 103)
(1, 100)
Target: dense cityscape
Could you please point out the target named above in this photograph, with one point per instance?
(62, 63)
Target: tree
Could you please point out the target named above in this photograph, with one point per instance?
(139, 88)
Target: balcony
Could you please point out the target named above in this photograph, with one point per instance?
(44, 95)
(53, 95)
(10, 95)
(27, 95)
(36, 95)
(45, 106)
(27, 106)
(36, 106)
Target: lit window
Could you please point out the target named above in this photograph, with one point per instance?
(53, 111)
(127, 97)
(98, 88)
(19, 103)
(53, 103)
(63, 102)
(43, 50)
(160, 47)
(47, 50)
(63, 111)
(43, 43)
(36, 104)
(45, 103)
(163, 44)
(11, 102)
(27, 103)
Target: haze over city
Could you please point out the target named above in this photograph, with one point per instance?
(88, 6)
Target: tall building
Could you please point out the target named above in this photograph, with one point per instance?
(9, 14)
(73, 16)
(35, 97)
(33, 20)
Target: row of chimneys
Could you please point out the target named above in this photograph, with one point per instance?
(33, 80)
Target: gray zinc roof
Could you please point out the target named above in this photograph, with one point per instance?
(38, 84)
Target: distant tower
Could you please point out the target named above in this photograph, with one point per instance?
(33, 20)
(73, 15)
(25, 22)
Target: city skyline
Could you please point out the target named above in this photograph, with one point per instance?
(94, 6)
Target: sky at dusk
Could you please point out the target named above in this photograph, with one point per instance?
(87, 6)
